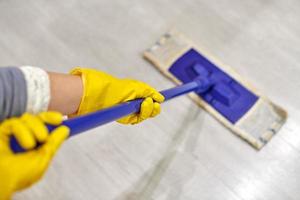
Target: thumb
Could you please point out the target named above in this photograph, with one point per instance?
(36, 162)
(146, 90)
(55, 139)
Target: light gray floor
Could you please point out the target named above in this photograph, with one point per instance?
(184, 153)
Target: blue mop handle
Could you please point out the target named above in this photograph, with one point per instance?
(86, 122)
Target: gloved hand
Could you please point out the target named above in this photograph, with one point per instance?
(18, 171)
(102, 90)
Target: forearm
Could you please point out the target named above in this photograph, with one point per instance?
(51, 91)
(66, 92)
(33, 90)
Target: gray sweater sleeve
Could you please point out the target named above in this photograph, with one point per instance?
(13, 92)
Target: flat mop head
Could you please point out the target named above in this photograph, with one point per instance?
(230, 99)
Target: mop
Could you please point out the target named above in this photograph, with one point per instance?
(228, 97)
(213, 86)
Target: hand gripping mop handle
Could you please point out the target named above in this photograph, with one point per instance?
(86, 122)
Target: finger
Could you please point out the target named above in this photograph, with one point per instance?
(51, 117)
(142, 89)
(38, 161)
(4, 144)
(23, 134)
(5, 127)
(36, 126)
(6, 132)
(130, 119)
(55, 140)
(146, 109)
(158, 97)
(156, 109)
(151, 92)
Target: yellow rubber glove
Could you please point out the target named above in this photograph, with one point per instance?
(102, 90)
(18, 171)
